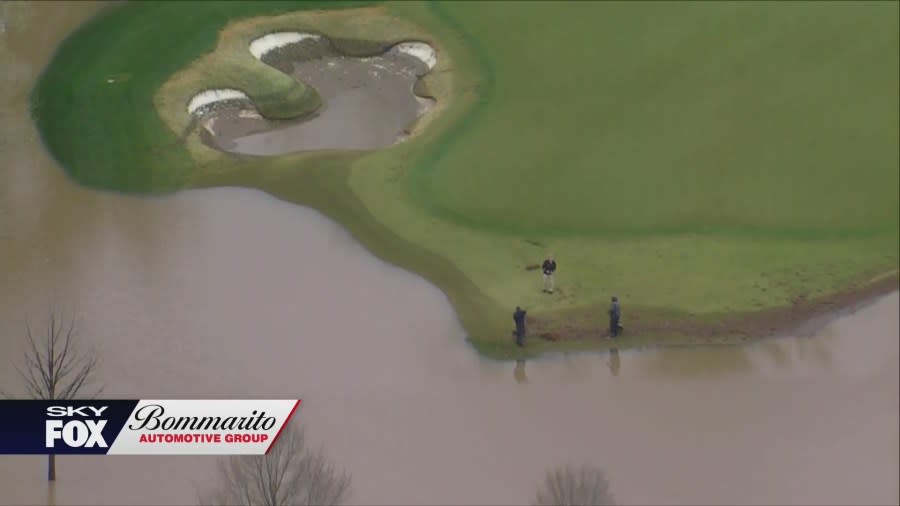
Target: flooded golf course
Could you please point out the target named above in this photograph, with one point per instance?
(228, 293)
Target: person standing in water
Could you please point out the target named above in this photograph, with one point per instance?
(519, 318)
(615, 312)
(548, 267)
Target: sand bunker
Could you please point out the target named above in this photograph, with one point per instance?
(206, 98)
(419, 50)
(367, 102)
(259, 47)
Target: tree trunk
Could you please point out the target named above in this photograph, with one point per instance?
(51, 468)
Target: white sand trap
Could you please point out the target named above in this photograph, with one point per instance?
(207, 97)
(259, 47)
(419, 50)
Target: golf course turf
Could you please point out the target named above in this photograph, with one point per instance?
(726, 169)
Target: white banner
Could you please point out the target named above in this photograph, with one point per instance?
(203, 427)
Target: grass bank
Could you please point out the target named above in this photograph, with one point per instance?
(713, 165)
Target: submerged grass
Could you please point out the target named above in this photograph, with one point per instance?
(693, 170)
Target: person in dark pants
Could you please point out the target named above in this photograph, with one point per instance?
(548, 267)
(614, 314)
(519, 318)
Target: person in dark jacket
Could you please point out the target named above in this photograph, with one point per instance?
(614, 314)
(548, 268)
(519, 318)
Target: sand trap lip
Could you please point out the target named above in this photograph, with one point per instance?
(262, 45)
(419, 50)
(207, 97)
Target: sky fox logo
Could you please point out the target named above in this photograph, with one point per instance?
(76, 433)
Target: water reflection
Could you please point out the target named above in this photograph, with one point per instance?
(708, 362)
(613, 361)
(51, 494)
(519, 372)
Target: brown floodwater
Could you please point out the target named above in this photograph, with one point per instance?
(229, 293)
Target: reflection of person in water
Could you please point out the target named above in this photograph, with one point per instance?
(519, 372)
(614, 361)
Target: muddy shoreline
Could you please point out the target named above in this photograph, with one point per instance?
(648, 327)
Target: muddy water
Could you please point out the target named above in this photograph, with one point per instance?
(228, 293)
(367, 103)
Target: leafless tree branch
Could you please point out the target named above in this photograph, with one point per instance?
(290, 475)
(574, 486)
(57, 366)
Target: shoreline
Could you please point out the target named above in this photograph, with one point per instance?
(862, 297)
(491, 340)
(803, 318)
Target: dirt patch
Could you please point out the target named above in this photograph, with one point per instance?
(803, 317)
(368, 102)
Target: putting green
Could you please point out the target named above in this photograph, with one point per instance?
(708, 163)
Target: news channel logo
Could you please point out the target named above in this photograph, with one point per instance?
(143, 426)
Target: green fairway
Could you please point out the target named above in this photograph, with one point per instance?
(658, 117)
(699, 160)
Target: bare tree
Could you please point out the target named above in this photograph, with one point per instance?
(57, 366)
(290, 475)
(571, 486)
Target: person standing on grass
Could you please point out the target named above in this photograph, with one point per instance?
(519, 318)
(549, 267)
(615, 312)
